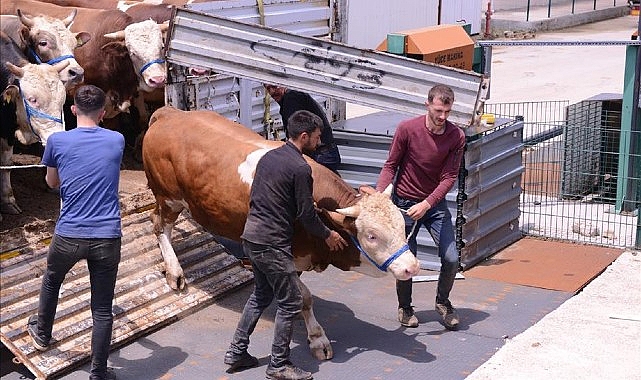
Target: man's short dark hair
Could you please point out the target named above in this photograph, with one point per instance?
(89, 99)
(303, 121)
(441, 92)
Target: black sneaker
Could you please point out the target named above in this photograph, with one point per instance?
(32, 328)
(287, 372)
(449, 315)
(239, 362)
(108, 375)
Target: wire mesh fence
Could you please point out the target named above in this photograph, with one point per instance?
(571, 186)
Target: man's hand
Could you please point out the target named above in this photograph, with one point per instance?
(417, 211)
(335, 241)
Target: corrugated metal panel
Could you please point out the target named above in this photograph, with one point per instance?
(487, 202)
(489, 211)
(368, 25)
(243, 101)
(463, 11)
(337, 71)
(143, 300)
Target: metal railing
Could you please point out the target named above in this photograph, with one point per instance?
(562, 7)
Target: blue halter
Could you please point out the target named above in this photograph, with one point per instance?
(383, 267)
(33, 112)
(146, 65)
(52, 61)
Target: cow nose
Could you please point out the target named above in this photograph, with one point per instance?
(157, 81)
(77, 74)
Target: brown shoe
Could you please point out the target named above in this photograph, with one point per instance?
(449, 315)
(407, 317)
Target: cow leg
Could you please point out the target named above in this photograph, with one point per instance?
(8, 204)
(318, 341)
(163, 218)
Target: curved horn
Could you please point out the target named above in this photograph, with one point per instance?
(124, 106)
(119, 35)
(352, 211)
(67, 21)
(15, 70)
(164, 26)
(61, 65)
(24, 19)
(388, 190)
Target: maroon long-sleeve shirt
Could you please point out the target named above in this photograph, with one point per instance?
(427, 163)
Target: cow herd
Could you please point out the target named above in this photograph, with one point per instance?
(115, 45)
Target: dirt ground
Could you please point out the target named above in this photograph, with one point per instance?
(41, 205)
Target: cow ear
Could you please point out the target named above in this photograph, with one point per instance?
(24, 36)
(82, 38)
(10, 93)
(117, 49)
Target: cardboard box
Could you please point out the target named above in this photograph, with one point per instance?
(447, 45)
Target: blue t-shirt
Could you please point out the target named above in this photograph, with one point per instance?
(88, 162)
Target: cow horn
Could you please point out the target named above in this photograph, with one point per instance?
(119, 35)
(15, 70)
(124, 106)
(24, 19)
(352, 211)
(164, 26)
(61, 65)
(67, 21)
(388, 190)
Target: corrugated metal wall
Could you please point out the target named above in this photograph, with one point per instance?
(484, 206)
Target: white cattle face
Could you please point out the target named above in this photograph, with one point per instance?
(144, 41)
(52, 41)
(380, 230)
(39, 100)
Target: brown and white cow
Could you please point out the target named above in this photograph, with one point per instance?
(45, 39)
(201, 162)
(118, 67)
(30, 109)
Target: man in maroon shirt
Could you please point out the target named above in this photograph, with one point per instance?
(425, 157)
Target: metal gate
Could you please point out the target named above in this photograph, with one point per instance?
(571, 158)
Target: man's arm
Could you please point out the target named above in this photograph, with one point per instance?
(394, 159)
(52, 178)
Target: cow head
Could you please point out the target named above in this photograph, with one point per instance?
(144, 41)
(379, 231)
(50, 41)
(39, 97)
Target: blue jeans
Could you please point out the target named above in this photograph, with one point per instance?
(274, 277)
(103, 257)
(438, 222)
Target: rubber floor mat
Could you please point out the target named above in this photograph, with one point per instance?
(546, 264)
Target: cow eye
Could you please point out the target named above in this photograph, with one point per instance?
(42, 43)
(371, 237)
(32, 99)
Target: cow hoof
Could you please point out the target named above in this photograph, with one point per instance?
(10, 208)
(175, 282)
(321, 349)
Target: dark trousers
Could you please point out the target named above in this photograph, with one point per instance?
(274, 277)
(103, 257)
(438, 222)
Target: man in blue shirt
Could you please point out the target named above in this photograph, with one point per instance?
(85, 164)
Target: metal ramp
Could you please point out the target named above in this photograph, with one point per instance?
(143, 300)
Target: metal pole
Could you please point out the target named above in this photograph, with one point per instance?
(594, 5)
(549, 7)
(573, 1)
(635, 120)
(527, 11)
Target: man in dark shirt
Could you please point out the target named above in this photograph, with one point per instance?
(281, 193)
(290, 101)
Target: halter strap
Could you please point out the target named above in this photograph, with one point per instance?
(33, 112)
(51, 61)
(146, 65)
(383, 267)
